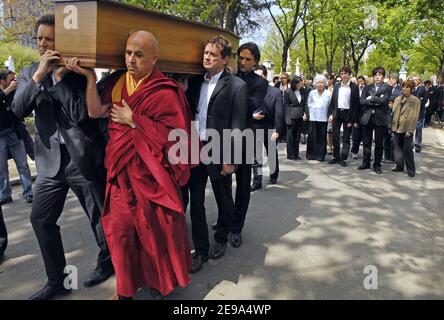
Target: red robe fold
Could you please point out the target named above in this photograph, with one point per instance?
(143, 216)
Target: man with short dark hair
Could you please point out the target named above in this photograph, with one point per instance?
(389, 149)
(344, 111)
(357, 131)
(374, 117)
(421, 93)
(69, 154)
(273, 121)
(219, 102)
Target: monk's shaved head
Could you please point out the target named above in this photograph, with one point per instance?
(145, 39)
(141, 54)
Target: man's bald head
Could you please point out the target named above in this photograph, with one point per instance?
(141, 54)
(146, 39)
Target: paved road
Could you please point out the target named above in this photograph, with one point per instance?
(309, 237)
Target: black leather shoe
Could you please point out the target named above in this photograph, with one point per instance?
(29, 199)
(418, 149)
(396, 169)
(214, 226)
(99, 275)
(218, 250)
(333, 161)
(272, 181)
(343, 164)
(255, 186)
(363, 167)
(198, 262)
(411, 174)
(50, 292)
(378, 170)
(236, 240)
(5, 201)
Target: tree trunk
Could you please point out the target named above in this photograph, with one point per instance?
(232, 15)
(284, 57)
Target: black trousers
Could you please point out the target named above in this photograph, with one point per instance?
(242, 200)
(380, 131)
(224, 200)
(273, 161)
(341, 120)
(3, 234)
(49, 199)
(389, 153)
(404, 152)
(317, 141)
(357, 139)
(293, 138)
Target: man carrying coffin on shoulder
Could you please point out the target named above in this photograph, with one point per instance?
(69, 153)
(143, 215)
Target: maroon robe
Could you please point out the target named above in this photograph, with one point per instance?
(143, 216)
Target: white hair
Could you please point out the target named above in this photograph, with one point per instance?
(320, 77)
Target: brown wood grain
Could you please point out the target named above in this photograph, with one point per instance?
(104, 27)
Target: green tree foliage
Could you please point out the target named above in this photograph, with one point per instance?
(22, 56)
(238, 16)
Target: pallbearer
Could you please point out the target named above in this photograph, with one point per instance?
(143, 218)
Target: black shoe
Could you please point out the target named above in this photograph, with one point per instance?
(333, 161)
(411, 174)
(50, 292)
(255, 186)
(377, 170)
(198, 262)
(214, 226)
(343, 164)
(99, 275)
(363, 167)
(236, 240)
(29, 199)
(272, 181)
(417, 149)
(218, 250)
(396, 169)
(5, 201)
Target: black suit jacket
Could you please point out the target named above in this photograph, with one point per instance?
(294, 108)
(227, 109)
(354, 111)
(379, 103)
(257, 89)
(421, 93)
(396, 92)
(274, 111)
(60, 108)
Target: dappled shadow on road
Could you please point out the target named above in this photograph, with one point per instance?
(326, 224)
(308, 237)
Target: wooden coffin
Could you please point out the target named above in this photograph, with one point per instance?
(96, 33)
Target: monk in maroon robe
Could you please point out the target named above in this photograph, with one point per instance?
(143, 217)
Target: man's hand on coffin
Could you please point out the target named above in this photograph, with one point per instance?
(122, 115)
(48, 62)
(72, 64)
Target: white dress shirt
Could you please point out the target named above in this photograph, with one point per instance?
(208, 86)
(318, 105)
(344, 96)
(297, 93)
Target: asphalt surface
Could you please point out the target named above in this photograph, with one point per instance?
(311, 236)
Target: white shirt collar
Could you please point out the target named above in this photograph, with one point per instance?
(345, 85)
(214, 78)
